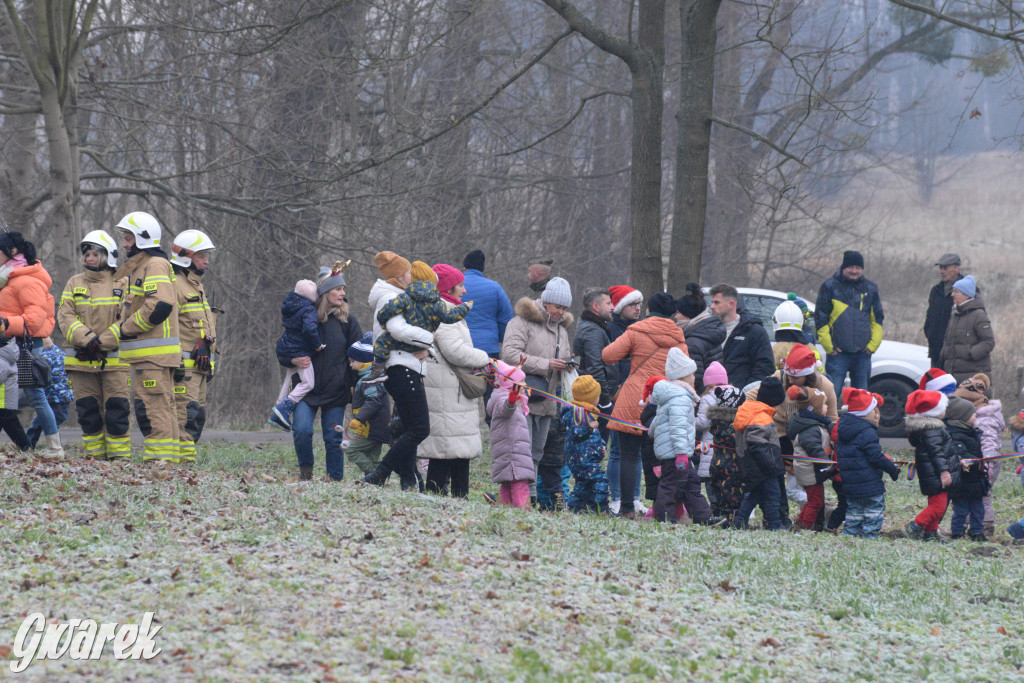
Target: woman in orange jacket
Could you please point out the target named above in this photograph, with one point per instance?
(26, 310)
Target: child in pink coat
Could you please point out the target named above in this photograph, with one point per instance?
(511, 455)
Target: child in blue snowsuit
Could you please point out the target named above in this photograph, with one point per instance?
(58, 393)
(301, 337)
(584, 448)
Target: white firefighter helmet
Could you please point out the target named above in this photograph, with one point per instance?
(788, 316)
(102, 239)
(146, 229)
(187, 243)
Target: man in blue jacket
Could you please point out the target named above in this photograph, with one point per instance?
(848, 316)
(491, 309)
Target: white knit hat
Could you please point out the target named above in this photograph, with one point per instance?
(557, 292)
(678, 365)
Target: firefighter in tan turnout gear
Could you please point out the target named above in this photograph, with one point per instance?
(148, 333)
(88, 314)
(191, 254)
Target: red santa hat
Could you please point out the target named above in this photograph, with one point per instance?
(860, 402)
(927, 403)
(622, 296)
(649, 387)
(937, 379)
(799, 362)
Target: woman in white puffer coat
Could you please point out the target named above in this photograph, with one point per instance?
(454, 419)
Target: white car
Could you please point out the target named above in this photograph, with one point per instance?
(896, 368)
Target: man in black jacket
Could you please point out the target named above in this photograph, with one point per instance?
(940, 305)
(591, 338)
(747, 352)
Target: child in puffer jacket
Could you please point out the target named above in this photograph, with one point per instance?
(58, 392)
(938, 467)
(862, 463)
(511, 455)
(370, 427)
(421, 306)
(9, 422)
(584, 447)
(301, 337)
(714, 376)
(760, 454)
(725, 470)
(988, 420)
(674, 437)
(967, 495)
(809, 429)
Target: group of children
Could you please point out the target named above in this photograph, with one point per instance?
(729, 440)
(59, 394)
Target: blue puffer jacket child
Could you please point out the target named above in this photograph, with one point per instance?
(673, 428)
(861, 461)
(59, 389)
(301, 327)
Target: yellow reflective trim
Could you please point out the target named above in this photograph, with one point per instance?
(150, 351)
(157, 278)
(115, 329)
(146, 327)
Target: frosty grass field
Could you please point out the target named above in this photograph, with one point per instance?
(254, 576)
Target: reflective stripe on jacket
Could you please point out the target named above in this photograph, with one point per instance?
(143, 338)
(848, 315)
(195, 318)
(89, 305)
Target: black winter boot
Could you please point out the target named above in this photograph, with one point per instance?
(913, 530)
(980, 538)
(379, 476)
(305, 473)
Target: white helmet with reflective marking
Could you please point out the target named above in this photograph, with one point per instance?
(146, 229)
(102, 239)
(187, 243)
(788, 316)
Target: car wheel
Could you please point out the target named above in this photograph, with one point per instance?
(895, 392)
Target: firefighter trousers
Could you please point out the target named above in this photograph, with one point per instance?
(153, 386)
(104, 410)
(190, 404)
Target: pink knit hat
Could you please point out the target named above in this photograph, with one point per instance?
(306, 289)
(448, 276)
(715, 375)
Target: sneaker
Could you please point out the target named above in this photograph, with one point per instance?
(376, 375)
(639, 508)
(490, 498)
(714, 521)
(613, 507)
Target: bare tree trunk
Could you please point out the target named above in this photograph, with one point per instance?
(693, 142)
(646, 61)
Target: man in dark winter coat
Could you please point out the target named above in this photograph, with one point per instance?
(747, 353)
(591, 338)
(705, 331)
(848, 316)
(940, 305)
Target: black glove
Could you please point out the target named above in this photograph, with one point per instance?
(92, 349)
(895, 476)
(178, 375)
(201, 355)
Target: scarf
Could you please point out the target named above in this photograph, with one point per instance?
(16, 261)
(451, 299)
(589, 315)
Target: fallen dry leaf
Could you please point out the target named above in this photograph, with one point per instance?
(1002, 630)
(935, 631)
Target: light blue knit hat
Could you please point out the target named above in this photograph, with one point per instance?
(557, 292)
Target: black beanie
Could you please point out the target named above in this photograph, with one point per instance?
(474, 260)
(771, 392)
(692, 303)
(662, 304)
(852, 258)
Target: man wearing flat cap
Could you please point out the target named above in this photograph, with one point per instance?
(940, 305)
